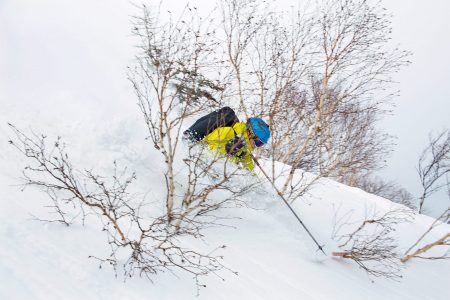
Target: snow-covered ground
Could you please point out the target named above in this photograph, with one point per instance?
(72, 83)
(274, 257)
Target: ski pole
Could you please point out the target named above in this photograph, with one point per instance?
(285, 201)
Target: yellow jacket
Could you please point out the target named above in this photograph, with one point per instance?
(218, 139)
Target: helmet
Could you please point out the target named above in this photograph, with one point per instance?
(259, 129)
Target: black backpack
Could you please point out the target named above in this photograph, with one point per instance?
(224, 117)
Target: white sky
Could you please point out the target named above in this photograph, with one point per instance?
(424, 104)
(58, 54)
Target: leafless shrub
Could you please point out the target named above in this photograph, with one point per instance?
(170, 84)
(208, 175)
(313, 74)
(370, 242)
(443, 241)
(434, 165)
(152, 244)
(171, 53)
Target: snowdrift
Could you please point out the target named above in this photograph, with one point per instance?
(272, 255)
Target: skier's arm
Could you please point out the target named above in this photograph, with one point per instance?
(235, 146)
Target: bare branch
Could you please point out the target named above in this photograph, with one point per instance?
(434, 164)
(371, 244)
(443, 241)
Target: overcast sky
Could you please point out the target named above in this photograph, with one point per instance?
(422, 27)
(65, 53)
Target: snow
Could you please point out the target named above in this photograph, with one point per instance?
(97, 116)
(273, 255)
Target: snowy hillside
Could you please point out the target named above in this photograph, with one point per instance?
(272, 254)
(64, 66)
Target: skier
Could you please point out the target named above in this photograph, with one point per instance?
(222, 132)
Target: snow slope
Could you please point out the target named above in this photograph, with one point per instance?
(67, 77)
(274, 257)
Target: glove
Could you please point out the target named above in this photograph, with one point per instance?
(234, 146)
